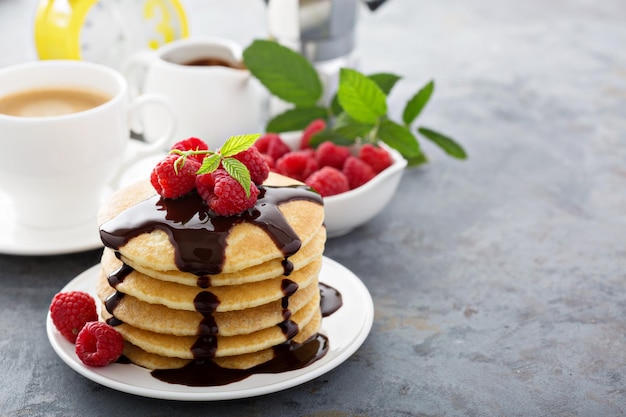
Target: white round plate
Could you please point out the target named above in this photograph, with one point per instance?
(346, 330)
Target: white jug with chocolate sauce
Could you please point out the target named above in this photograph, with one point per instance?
(210, 91)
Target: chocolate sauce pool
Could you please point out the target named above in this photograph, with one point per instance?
(287, 357)
(199, 239)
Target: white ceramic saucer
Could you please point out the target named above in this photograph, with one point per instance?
(16, 239)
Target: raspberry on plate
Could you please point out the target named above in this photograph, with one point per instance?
(256, 164)
(329, 154)
(315, 126)
(223, 194)
(70, 311)
(192, 144)
(272, 145)
(172, 180)
(328, 181)
(99, 344)
(297, 164)
(375, 156)
(357, 171)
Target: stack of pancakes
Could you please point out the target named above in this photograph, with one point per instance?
(170, 314)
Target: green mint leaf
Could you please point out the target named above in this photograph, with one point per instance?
(210, 163)
(332, 136)
(449, 145)
(238, 171)
(385, 80)
(400, 138)
(285, 73)
(355, 131)
(297, 118)
(417, 160)
(360, 97)
(415, 105)
(335, 107)
(343, 119)
(238, 143)
(350, 128)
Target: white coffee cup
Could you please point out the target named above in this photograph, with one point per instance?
(56, 169)
(211, 102)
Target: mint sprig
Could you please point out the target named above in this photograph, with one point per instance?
(224, 156)
(286, 74)
(360, 97)
(358, 112)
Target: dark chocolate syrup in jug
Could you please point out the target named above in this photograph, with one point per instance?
(199, 238)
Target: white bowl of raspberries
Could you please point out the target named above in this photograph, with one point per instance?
(356, 182)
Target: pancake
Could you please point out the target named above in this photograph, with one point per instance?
(270, 269)
(183, 297)
(245, 361)
(245, 244)
(140, 314)
(219, 346)
(181, 284)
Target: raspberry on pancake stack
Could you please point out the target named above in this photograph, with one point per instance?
(186, 284)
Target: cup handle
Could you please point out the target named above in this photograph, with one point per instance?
(159, 144)
(137, 150)
(134, 70)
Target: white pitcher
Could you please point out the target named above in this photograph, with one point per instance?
(211, 100)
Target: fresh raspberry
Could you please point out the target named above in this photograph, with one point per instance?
(99, 344)
(357, 171)
(172, 184)
(272, 145)
(297, 164)
(223, 194)
(70, 311)
(192, 144)
(328, 181)
(271, 163)
(256, 164)
(329, 154)
(315, 126)
(375, 156)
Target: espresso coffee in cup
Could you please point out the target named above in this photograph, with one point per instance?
(66, 140)
(50, 102)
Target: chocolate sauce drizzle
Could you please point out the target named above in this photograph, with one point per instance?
(202, 371)
(288, 327)
(287, 357)
(199, 236)
(330, 300)
(113, 300)
(117, 276)
(206, 303)
(199, 240)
